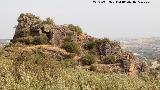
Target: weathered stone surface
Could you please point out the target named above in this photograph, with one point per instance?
(31, 26)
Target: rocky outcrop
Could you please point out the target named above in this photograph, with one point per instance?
(31, 30)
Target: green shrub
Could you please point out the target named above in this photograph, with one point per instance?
(88, 59)
(25, 40)
(102, 41)
(90, 45)
(42, 39)
(75, 28)
(24, 32)
(71, 47)
(110, 59)
(37, 40)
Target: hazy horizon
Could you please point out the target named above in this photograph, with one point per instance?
(99, 20)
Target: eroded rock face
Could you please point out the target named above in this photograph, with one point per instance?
(110, 53)
(31, 28)
(107, 47)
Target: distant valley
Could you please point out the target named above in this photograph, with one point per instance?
(145, 48)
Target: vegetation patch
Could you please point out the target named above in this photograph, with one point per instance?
(90, 45)
(24, 32)
(110, 59)
(88, 59)
(38, 40)
(51, 76)
(75, 28)
(71, 47)
(102, 41)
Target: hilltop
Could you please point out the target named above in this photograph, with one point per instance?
(32, 31)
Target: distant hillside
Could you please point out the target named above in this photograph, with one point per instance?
(146, 48)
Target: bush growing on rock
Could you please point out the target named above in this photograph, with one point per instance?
(110, 59)
(36, 40)
(75, 28)
(88, 59)
(90, 45)
(23, 33)
(102, 41)
(26, 40)
(43, 39)
(71, 47)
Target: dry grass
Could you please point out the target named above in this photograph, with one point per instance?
(50, 76)
(35, 72)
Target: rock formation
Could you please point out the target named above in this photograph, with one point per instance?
(31, 30)
(31, 27)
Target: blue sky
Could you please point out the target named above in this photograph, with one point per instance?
(100, 20)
